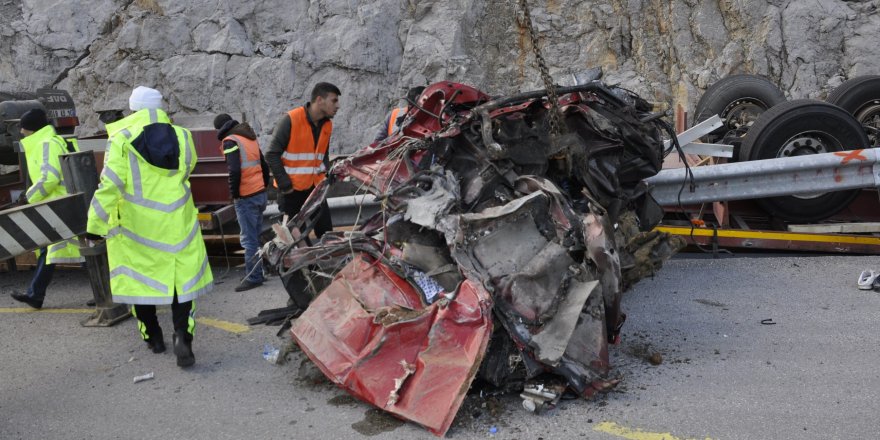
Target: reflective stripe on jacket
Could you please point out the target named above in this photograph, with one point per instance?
(154, 243)
(41, 150)
(303, 160)
(251, 171)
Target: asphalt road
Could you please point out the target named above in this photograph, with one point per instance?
(812, 374)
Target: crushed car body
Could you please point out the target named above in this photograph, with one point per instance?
(501, 248)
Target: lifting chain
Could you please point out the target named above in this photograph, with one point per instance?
(525, 20)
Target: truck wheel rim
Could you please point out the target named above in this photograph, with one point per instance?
(806, 143)
(869, 115)
(742, 112)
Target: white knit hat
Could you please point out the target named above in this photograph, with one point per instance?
(144, 97)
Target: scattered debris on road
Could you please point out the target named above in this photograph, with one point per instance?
(656, 359)
(144, 377)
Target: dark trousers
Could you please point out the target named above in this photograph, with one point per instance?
(292, 203)
(42, 277)
(182, 317)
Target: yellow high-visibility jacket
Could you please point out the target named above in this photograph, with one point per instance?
(41, 150)
(145, 209)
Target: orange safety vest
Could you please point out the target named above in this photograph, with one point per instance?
(303, 160)
(393, 118)
(251, 171)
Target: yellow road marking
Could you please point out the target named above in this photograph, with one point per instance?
(30, 310)
(764, 235)
(230, 327)
(633, 434)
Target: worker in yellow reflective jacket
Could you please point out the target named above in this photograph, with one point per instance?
(145, 210)
(42, 146)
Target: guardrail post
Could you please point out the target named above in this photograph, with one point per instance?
(81, 176)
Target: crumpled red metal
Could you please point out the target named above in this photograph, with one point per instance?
(372, 334)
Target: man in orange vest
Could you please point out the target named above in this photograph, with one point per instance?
(392, 122)
(248, 179)
(298, 154)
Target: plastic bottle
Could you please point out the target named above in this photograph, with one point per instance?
(270, 353)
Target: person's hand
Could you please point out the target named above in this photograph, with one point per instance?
(22, 198)
(93, 239)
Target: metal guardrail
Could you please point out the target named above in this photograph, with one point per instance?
(344, 210)
(817, 173)
(348, 210)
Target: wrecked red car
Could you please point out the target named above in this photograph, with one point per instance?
(504, 240)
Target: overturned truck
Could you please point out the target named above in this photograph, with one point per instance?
(504, 240)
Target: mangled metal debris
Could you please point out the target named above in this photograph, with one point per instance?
(500, 250)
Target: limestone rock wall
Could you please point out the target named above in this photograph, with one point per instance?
(262, 58)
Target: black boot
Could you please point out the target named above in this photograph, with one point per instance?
(156, 342)
(35, 303)
(183, 349)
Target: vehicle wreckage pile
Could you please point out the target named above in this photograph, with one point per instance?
(500, 251)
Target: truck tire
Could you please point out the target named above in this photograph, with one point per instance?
(798, 128)
(861, 97)
(738, 100)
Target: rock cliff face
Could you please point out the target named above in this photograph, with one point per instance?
(262, 58)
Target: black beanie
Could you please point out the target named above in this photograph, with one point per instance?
(34, 120)
(221, 119)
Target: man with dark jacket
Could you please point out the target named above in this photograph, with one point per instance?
(248, 179)
(298, 154)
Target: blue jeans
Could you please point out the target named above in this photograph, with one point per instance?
(249, 211)
(42, 277)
